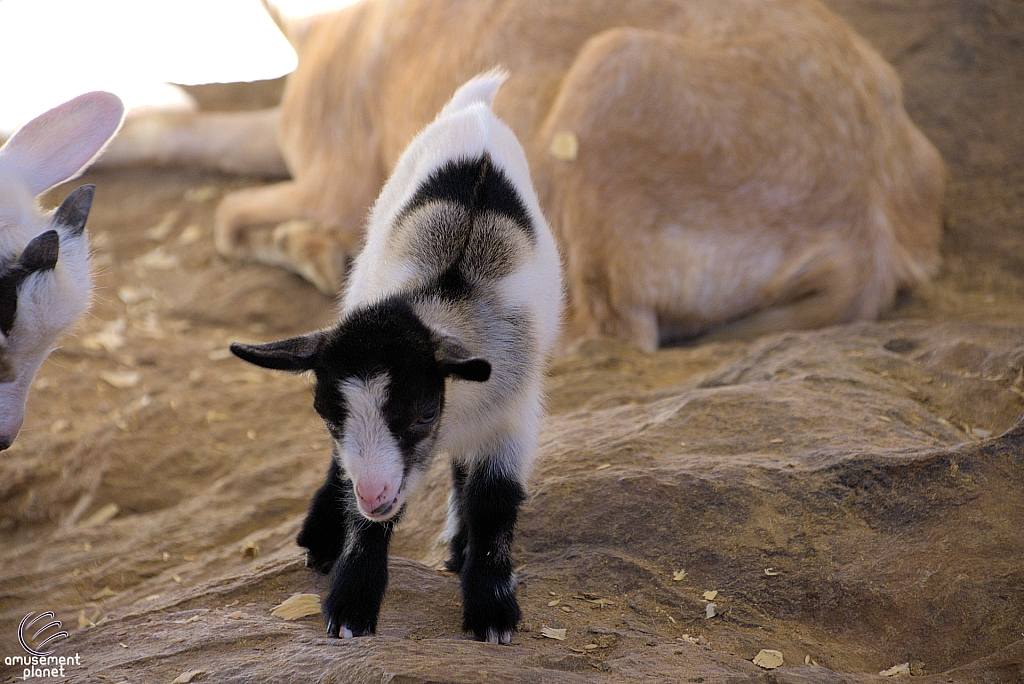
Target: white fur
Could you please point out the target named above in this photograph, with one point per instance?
(368, 450)
(54, 147)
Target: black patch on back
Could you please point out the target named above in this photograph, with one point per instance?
(476, 184)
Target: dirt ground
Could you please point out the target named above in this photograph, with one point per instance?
(853, 495)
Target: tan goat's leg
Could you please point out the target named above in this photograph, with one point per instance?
(272, 225)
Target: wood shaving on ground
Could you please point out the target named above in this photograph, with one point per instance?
(678, 575)
(553, 603)
(896, 670)
(298, 606)
(710, 595)
(194, 618)
(110, 339)
(190, 235)
(601, 602)
(103, 593)
(771, 572)
(133, 295)
(552, 633)
(163, 228)
(103, 515)
(158, 260)
(251, 550)
(709, 611)
(120, 379)
(188, 676)
(768, 658)
(237, 615)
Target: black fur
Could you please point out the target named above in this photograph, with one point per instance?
(74, 210)
(324, 532)
(360, 575)
(41, 253)
(457, 544)
(490, 504)
(475, 184)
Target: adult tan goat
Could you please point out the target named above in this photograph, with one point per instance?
(724, 167)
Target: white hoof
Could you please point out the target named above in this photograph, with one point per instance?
(345, 632)
(494, 637)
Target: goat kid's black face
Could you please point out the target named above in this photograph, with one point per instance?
(380, 381)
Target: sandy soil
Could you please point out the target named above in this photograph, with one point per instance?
(852, 494)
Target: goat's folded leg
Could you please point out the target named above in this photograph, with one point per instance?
(492, 498)
(324, 531)
(360, 574)
(272, 225)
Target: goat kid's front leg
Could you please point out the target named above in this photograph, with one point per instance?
(360, 574)
(491, 501)
(455, 530)
(323, 532)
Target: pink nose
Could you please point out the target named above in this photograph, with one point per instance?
(374, 497)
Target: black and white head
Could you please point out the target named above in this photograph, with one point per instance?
(380, 388)
(45, 276)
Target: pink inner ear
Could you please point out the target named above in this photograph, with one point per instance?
(57, 145)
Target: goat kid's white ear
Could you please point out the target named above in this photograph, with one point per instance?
(456, 360)
(59, 144)
(295, 354)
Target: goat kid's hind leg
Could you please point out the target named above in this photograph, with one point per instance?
(492, 498)
(360, 574)
(455, 529)
(323, 533)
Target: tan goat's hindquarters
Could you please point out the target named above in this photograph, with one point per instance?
(726, 180)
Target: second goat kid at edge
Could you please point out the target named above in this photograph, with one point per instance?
(450, 312)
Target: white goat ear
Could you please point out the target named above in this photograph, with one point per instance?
(456, 360)
(296, 354)
(59, 144)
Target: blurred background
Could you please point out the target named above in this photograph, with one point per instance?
(53, 50)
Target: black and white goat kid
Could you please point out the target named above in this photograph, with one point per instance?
(447, 320)
(45, 277)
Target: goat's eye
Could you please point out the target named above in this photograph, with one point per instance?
(427, 418)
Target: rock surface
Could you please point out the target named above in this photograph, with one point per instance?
(854, 495)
